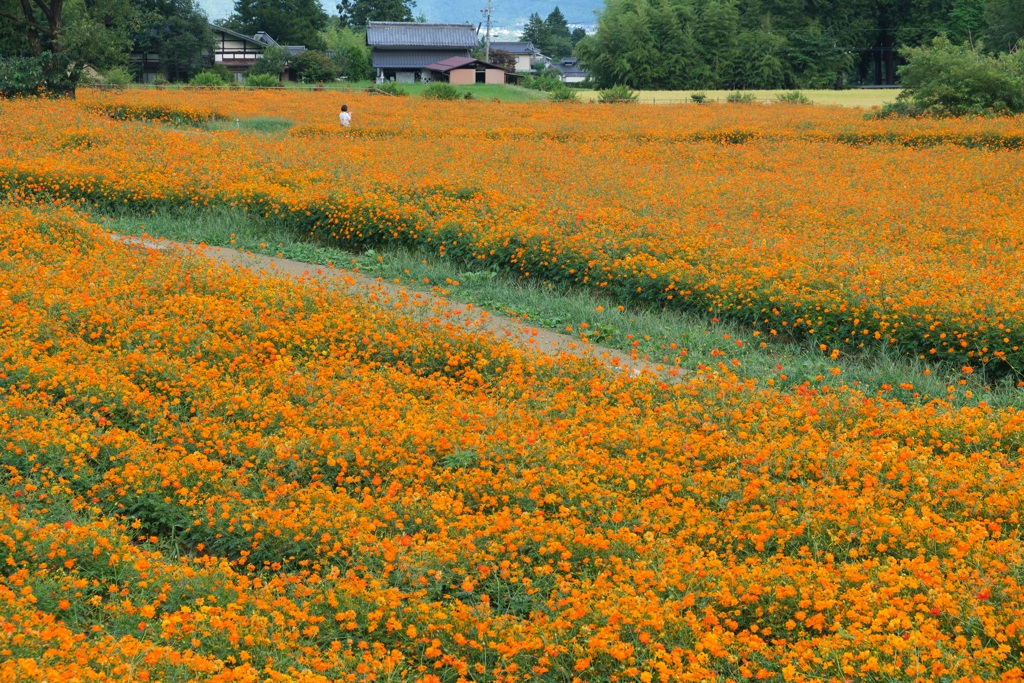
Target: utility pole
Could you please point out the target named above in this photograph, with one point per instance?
(487, 36)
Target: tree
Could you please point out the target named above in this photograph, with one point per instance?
(578, 34)
(273, 62)
(99, 32)
(313, 66)
(557, 39)
(35, 62)
(289, 22)
(351, 55)
(947, 79)
(534, 31)
(1004, 21)
(177, 31)
(356, 13)
(40, 22)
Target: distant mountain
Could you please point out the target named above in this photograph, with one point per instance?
(508, 17)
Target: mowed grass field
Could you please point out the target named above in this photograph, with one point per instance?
(212, 474)
(865, 98)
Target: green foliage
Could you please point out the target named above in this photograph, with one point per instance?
(273, 62)
(21, 77)
(351, 54)
(313, 66)
(441, 91)
(793, 97)
(770, 44)
(119, 76)
(551, 35)
(177, 31)
(263, 81)
(389, 88)
(289, 22)
(356, 13)
(207, 79)
(49, 75)
(617, 94)
(1003, 24)
(698, 98)
(738, 97)
(945, 79)
(544, 82)
(99, 32)
(564, 94)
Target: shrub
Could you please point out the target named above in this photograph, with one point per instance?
(224, 73)
(313, 66)
(945, 79)
(160, 80)
(793, 97)
(564, 94)
(388, 88)
(698, 98)
(738, 97)
(119, 76)
(262, 81)
(441, 91)
(50, 75)
(617, 93)
(543, 82)
(207, 79)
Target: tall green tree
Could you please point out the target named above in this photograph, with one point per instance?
(356, 13)
(1004, 24)
(289, 22)
(177, 31)
(534, 31)
(351, 55)
(99, 32)
(40, 23)
(557, 39)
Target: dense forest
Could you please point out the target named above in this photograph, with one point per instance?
(731, 44)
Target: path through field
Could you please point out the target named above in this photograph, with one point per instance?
(441, 309)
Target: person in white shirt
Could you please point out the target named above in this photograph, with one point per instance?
(345, 116)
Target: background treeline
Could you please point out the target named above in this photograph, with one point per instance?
(46, 46)
(733, 44)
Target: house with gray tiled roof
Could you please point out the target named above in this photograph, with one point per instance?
(571, 70)
(401, 50)
(524, 52)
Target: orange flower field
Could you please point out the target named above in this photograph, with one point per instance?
(816, 223)
(215, 475)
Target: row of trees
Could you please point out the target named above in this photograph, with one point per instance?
(552, 35)
(730, 44)
(46, 43)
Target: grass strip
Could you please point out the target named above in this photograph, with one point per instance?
(666, 336)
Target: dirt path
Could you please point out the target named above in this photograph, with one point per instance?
(458, 314)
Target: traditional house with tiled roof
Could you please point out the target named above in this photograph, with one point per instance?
(524, 52)
(571, 70)
(401, 50)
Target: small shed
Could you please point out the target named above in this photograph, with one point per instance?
(467, 71)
